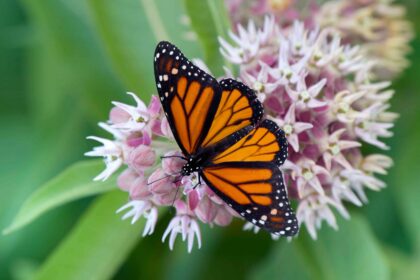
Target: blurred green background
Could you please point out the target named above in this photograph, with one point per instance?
(62, 63)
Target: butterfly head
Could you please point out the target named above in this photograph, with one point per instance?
(190, 167)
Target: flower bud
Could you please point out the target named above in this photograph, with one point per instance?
(141, 158)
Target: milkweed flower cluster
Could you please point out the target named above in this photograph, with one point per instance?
(144, 145)
(379, 27)
(320, 92)
(241, 11)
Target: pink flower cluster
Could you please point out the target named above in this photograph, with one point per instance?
(144, 144)
(379, 27)
(320, 92)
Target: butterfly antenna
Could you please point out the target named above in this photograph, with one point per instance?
(149, 183)
(181, 157)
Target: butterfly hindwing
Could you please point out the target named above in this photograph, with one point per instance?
(245, 173)
(256, 191)
(189, 96)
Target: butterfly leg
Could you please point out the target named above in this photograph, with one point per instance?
(176, 193)
(199, 182)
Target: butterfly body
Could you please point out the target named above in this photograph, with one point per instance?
(192, 165)
(219, 129)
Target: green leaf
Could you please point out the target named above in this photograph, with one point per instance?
(351, 252)
(126, 41)
(403, 266)
(73, 183)
(69, 72)
(406, 188)
(97, 245)
(184, 265)
(404, 177)
(285, 262)
(130, 30)
(209, 20)
(229, 249)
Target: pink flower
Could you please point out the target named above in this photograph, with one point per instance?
(136, 140)
(166, 129)
(342, 190)
(343, 108)
(333, 148)
(260, 82)
(126, 179)
(376, 163)
(112, 153)
(193, 199)
(306, 97)
(118, 115)
(172, 163)
(141, 158)
(306, 173)
(154, 107)
(139, 189)
(285, 70)
(138, 115)
(223, 217)
(141, 208)
(371, 127)
(160, 183)
(162, 186)
(183, 223)
(206, 210)
(292, 128)
(316, 207)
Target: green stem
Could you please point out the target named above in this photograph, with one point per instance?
(219, 24)
(155, 21)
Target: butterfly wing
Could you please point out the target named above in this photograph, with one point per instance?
(265, 143)
(189, 96)
(200, 111)
(247, 177)
(238, 108)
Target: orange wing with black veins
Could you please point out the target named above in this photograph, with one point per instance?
(247, 176)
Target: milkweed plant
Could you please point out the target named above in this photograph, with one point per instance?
(321, 74)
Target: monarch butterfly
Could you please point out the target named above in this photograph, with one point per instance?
(219, 129)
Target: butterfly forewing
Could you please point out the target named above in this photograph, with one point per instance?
(188, 95)
(238, 108)
(200, 111)
(265, 143)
